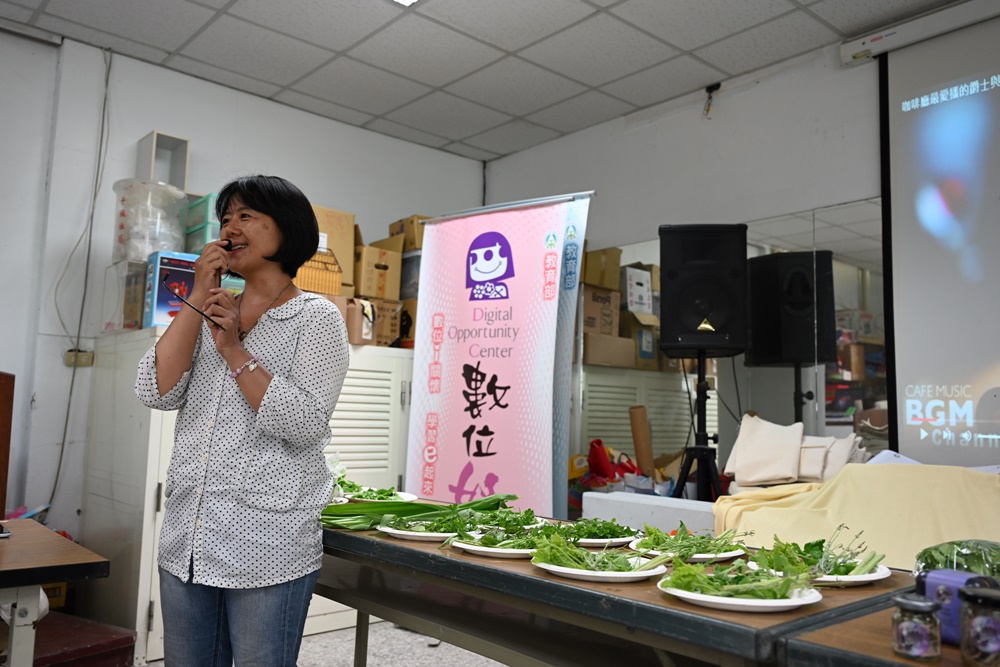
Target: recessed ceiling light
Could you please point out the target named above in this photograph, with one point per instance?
(405, 3)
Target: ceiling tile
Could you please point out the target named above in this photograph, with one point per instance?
(598, 50)
(322, 107)
(214, 4)
(15, 12)
(850, 213)
(770, 43)
(872, 228)
(100, 39)
(856, 17)
(821, 236)
(458, 148)
(33, 4)
(503, 23)
(512, 137)
(231, 79)
(664, 82)
(236, 45)
(423, 50)
(689, 24)
(604, 3)
(320, 22)
(869, 255)
(361, 86)
(852, 244)
(582, 111)
(448, 116)
(515, 86)
(408, 133)
(165, 25)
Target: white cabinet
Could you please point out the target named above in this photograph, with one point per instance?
(128, 449)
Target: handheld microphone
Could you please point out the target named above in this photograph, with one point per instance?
(227, 245)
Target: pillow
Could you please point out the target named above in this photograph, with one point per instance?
(768, 453)
(812, 457)
(839, 454)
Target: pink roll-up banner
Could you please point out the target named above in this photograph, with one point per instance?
(481, 413)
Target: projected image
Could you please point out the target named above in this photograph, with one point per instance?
(944, 160)
(952, 134)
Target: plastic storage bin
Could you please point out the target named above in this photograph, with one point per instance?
(198, 237)
(201, 210)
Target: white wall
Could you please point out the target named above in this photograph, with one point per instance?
(378, 178)
(795, 137)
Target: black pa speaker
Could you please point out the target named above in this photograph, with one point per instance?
(703, 290)
(792, 318)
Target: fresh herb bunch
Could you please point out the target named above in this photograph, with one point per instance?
(735, 581)
(377, 494)
(555, 550)
(978, 556)
(683, 544)
(366, 516)
(508, 519)
(451, 522)
(498, 538)
(826, 557)
(593, 529)
(347, 486)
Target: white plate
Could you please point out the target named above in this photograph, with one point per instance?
(493, 552)
(340, 500)
(881, 572)
(799, 597)
(403, 497)
(605, 541)
(696, 558)
(617, 577)
(415, 535)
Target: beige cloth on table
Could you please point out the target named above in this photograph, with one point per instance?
(765, 453)
(902, 509)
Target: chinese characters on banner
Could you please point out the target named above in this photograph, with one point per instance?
(481, 420)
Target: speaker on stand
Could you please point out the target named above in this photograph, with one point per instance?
(792, 318)
(703, 313)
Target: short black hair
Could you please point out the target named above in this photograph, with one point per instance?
(290, 209)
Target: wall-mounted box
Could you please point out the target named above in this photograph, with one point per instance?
(161, 157)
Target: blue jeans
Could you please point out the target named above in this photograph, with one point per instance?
(204, 626)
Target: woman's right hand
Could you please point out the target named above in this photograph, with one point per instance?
(208, 270)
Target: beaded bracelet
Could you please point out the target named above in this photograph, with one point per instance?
(250, 364)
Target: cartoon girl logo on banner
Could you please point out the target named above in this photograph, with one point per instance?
(490, 261)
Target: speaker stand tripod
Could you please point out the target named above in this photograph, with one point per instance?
(798, 397)
(708, 472)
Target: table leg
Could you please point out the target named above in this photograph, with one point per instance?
(361, 640)
(21, 646)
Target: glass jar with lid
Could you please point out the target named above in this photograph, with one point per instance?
(916, 630)
(980, 626)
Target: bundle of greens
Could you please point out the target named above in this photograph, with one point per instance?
(683, 544)
(555, 550)
(825, 557)
(455, 521)
(366, 516)
(979, 556)
(377, 494)
(736, 581)
(498, 538)
(347, 486)
(507, 519)
(590, 529)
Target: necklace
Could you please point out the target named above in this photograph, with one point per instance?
(239, 313)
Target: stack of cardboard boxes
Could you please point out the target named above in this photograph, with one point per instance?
(366, 281)
(621, 324)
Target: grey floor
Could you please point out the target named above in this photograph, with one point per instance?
(388, 646)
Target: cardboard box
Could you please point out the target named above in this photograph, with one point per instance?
(347, 290)
(377, 267)
(601, 350)
(322, 274)
(654, 276)
(56, 593)
(161, 304)
(124, 283)
(637, 296)
(689, 366)
(369, 321)
(602, 268)
(600, 310)
(409, 276)
(412, 230)
(644, 330)
(387, 321)
(408, 323)
(336, 233)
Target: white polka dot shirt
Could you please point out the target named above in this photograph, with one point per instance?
(245, 489)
